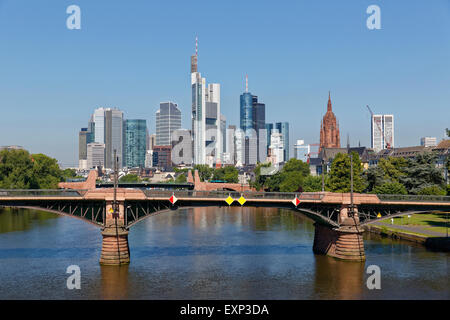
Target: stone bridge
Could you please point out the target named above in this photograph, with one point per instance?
(338, 219)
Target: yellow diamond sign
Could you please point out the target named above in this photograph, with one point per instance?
(242, 200)
(111, 210)
(379, 215)
(229, 200)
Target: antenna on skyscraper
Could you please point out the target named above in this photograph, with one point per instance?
(196, 45)
(246, 83)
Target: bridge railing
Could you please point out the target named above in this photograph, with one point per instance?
(412, 198)
(41, 193)
(248, 195)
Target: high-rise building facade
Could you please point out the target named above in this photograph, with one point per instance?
(302, 150)
(168, 119)
(428, 141)
(283, 129)
(259, 124)
(95, 155)
(135, 142)
(269, 128)
(382, 132)
(162, 157)
(107, 125)
(276, 148)
(329, 129)
(205, 115)
(181, 147)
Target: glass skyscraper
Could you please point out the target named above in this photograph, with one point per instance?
(246, 112)
(168, 119)
(135, 142)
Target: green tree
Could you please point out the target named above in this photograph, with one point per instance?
(68, 174)
(292, 182)
(313, 183)
(130, 178)
(259, 180)
(16, 170)
(390, 188)
(374, 177)
(181, 178)
(432, 190)
(422, 173)
(295, 165)
(20, 170)
(46, 171)
(204, 171)
(339, 176)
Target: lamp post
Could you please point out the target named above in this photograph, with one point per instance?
(115, 211)
(351, 211)
(323, 175)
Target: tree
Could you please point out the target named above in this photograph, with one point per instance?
(16, 170)
(292, 182)
(374, 177)
(312, 183)
(339, 176)
(46, 171)
(68, 174)
(422, 173)
(20, 170)
(181, 178)
(129, 178)
(204, 171)
(260, 180)
(295, 165)
(393, 168)
(432, 190)
(390, 188)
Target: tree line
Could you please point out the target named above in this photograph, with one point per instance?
(21, 170)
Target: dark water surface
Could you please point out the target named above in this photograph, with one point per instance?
(206, 253)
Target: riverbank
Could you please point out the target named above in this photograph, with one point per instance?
(439, 243)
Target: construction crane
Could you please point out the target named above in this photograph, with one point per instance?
(388, 143)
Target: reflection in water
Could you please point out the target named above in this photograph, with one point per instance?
(114, 282)
(13, 219)
(206, 253)
(338, 279)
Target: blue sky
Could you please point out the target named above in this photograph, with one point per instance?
(135, 54)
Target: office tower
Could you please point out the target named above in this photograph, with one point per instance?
(205, 114)
(82, 146)
(168, 119)
(246, 110)
(149, 159)
(428, 141)
(231, 148)
(269, 129)
(276, 147)
(382, 132)
(152, 141)
(113, 137)
(302, 150)
(259, 124)
(198, 86)
(107, 124)
(251, 149)
(162, 157)
(329, 129)
(223, 132)
(135, 143)
(95, 155)
(181, 147)
(249, 109)
(239, 147)
(283, 128)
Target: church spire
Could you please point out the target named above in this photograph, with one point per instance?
(329, 102)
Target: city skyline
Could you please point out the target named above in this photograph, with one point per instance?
(57, 76)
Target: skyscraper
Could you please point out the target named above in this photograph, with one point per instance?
(168, 119)
(382, 132)
(135, 143)
(108, 129)
(95, 155)
(259, 124)
(269, 128)
(283, 128)
(329, 129)
(201, 95)
(302, 150)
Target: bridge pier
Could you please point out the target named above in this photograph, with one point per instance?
(115, 248)
(345, 242)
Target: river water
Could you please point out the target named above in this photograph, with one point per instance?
(207, 253)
